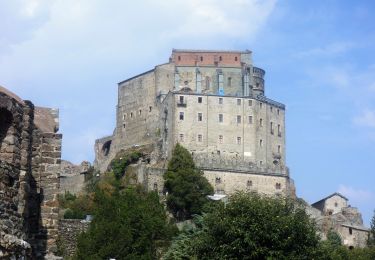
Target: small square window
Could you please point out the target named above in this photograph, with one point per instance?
(199, 99)
(200, 117)
(221, 118)
(238, 102)
(238, 119)
(250, 102)
(220, 101)
(250, 119)
(181, 115)
(200, 138)
(238, 140)
(278, 186)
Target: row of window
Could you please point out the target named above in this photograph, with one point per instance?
(132, 114)
(221, 140)
(238, 120)
(201, 58)
(249, 183)
(239, 101)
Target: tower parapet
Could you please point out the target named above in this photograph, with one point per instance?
(258, 75)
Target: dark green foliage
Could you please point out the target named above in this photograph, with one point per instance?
(77, 207)
(128, 224)
(371, 239)
(187, 187)
(119, 165)
(333, 238)
(252, 227)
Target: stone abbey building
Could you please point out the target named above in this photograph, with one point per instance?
(213, 103)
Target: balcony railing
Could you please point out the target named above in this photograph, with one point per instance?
(181, 103)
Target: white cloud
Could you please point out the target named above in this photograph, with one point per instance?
(334, 48)
(367, 119)
(356, 195)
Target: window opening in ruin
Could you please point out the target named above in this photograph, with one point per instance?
(150, 109)
(200, 117)
(181, 115)
(199, 138)
(220, 139)
(221, 117)
(336, 204)
(238, 119)
(249, 183)
(250, 103)
(217, 180)
(261, 122)
(220, 101)
(250, 119)
(229, 82)
(238, 102)
(181, 137)
(235, 58)
(238, 140)
(106, 147)
(6, 120)
(199, 99)
(350, 231)
(278, 186)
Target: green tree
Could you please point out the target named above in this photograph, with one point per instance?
(127, 224)
(186, 186)
(333, 238)
(253, 227)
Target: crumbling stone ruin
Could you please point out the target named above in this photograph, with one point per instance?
(213, 103)
(30, 155)
(73, 177)
(334, 213)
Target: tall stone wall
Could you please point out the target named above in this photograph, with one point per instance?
(30, 152)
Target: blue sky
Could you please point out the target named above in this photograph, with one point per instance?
(319, 58)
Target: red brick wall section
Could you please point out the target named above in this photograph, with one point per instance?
(225, 59)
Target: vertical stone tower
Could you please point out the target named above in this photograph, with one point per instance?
(213, 103)
(30, 151)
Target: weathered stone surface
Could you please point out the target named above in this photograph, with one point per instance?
(29, 170)
(69, 230)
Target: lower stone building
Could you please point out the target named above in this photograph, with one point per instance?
(333, 213)
(30, 155)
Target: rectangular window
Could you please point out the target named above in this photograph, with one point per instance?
(199, 99)
(217, 180)
(181, 115)
(261, 122)
(278, 130)
(238, 119)
(278, 186)
(260, 105)
(181, 99)
(239, 102)
(221, 118)
(140, 112)
(271, 126)
(181, 138)
(250, 102)
(271, 109)
(221, 139)
(260, 163)
(150, 109)
(220, 101)
(260, 142)
(199, 138)
(250, 119)
(249, 183)
(238, 140)
(124, 117)
(200, 117)
(278, 148)
(278, 112)
(229, 82)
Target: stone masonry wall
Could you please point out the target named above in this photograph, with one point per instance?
(69, 230)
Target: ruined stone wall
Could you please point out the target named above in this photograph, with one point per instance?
(29, 168)
(69, 231)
